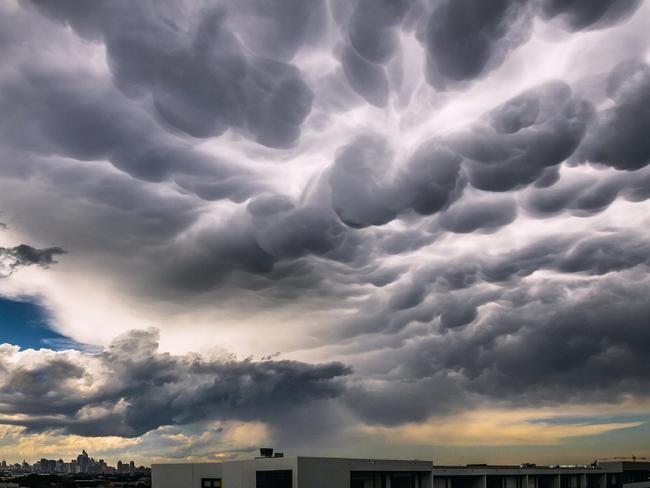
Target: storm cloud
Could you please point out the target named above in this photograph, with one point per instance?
(524, 137)
(464, 39)
(577, 15)
(563, 352)
(196, 70)
(363, 194)
(618, 138)
(131, 388)
(408, 209)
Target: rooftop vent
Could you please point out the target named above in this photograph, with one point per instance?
(266, 452)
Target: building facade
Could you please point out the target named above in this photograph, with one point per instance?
(318, 472)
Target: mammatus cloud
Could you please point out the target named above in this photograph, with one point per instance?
(589, 194)
(532, 347)
(362, 195)
(198, 74)
(105, 126)
(578, 15)
(429, 207)
(371, 42)
(465, 39)
(618, 137)
(525, 137)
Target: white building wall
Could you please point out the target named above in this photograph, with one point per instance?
(178, 475)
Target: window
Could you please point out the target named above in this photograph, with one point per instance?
(281, 478)
(210, 482)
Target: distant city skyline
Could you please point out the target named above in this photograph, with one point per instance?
(83, 463)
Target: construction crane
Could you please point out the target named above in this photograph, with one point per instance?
(633, 457)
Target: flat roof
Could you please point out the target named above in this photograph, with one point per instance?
(450, 470)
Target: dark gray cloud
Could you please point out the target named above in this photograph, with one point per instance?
(371, 28)
(464, 39)
(372, 41)
(524, 137)
(103, 125)
(367, 79)
(279, 32)
(453, 289)
(589, 194)
(431, 179)
(99, 211)
(392, 403)
(539, 347)
(189, 60)
(593, 255)
(484, 214)
(274, 237)
(83, 17)
(568, 348)
(361, 192)
(619, 136)
(588, 14)
(517, 143)
(14, 258)
(132, 388)
(365, 193)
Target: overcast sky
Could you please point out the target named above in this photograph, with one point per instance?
(399, 228)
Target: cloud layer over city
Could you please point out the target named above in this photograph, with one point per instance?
(310, 222)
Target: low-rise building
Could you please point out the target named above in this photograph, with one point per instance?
(319, 472)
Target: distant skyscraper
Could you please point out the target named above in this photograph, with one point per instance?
(82, 461)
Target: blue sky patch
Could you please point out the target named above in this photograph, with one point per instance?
(26, 324)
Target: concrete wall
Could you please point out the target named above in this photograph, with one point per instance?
(205, 470)
(184, 475)
(314, 473)
(241, 474)
(236, 474)
(335, 472)
(638, 484)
